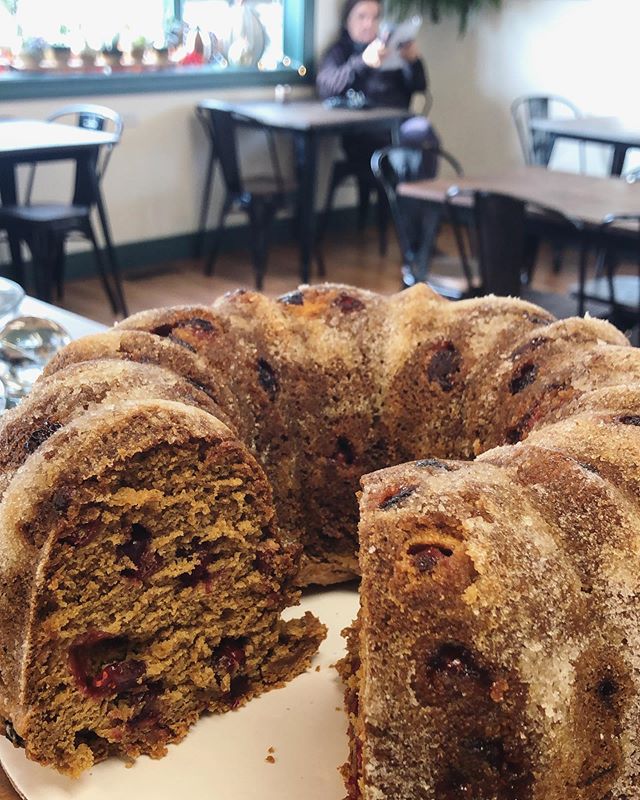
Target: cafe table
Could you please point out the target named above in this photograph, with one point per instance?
(27, 141)
(308, 122)
(584, 198)
(600, 130)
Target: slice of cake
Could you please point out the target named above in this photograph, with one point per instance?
(143, 583)
(495, 652)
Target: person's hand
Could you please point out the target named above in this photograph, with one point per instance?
(374, 54)
(409, 52)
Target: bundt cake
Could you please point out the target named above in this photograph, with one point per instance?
(171, 483)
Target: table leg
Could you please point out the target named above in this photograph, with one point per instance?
(8, 197)
(617, 160)
(306, 150)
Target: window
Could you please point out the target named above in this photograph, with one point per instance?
(120, 45)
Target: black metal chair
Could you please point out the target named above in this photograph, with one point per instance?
(46, 227)
(204, 116)
(345, 169)
(416, 223)
(260, 197)
(619, 292)
(501, 223)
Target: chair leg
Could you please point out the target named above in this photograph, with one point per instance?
(383, 223)
(531, 247)
(260, 217)
(323, 224)
(16, 259)
(113, 300)
(42, 245)
(557, 257)
(206, 202)
(363, 202)
(212, 256)
(58, 272)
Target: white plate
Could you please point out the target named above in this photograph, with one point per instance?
(224, 755)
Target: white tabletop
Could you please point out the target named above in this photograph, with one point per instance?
(29, 135)
(75, 325)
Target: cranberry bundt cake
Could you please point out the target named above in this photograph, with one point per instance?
(170, 483)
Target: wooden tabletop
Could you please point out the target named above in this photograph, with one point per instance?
(605, 130)
(307, 115)
(25, 137)
(582, 197)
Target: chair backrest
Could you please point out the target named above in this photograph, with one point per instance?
(415, 229)
(536, 145)
(500, 224)
(95, 118)
(91, 116)
(223, 129)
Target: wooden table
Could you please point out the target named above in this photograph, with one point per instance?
(308, 122)
(25, 141)
(582, 197)
(601, 130)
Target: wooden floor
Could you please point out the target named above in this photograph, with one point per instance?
(351, 258)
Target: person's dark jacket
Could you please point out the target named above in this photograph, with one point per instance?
(342, 68)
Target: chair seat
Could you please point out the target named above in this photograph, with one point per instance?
(626, 290)
(42, 213)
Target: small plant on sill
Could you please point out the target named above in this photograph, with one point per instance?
(32, 51)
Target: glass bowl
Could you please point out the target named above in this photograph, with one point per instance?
(11, 295)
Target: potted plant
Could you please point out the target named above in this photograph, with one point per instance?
(138, 49)
(32, 51)
(60, 49)
(112, 53)
(437, 9)
(88, 56)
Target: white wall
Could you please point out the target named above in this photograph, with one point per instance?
(583, 49)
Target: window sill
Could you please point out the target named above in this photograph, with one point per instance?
(15, 85)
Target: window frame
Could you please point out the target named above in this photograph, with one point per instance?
(298, 44)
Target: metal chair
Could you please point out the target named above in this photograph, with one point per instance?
(46, 227)
(537, 145)
(501, 224)
(416, 223)
(344, 169)
(619, 292)
(260, 197)
(204, 116)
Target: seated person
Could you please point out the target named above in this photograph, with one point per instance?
(354, 62)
